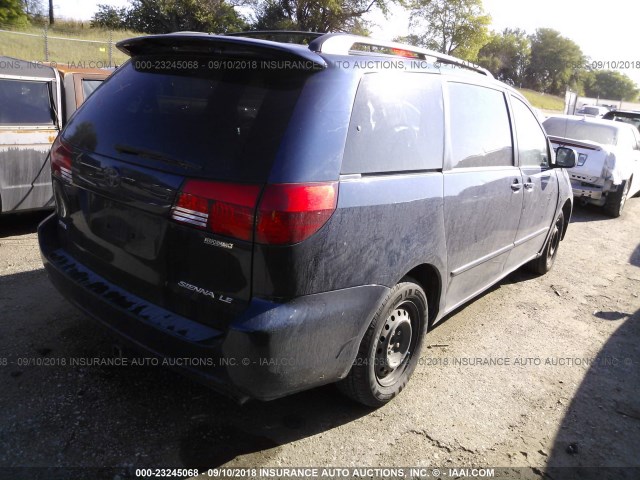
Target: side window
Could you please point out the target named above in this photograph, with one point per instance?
(88, 86)
(480, 128)
(532, 142)
(396, 124)
(25, 103)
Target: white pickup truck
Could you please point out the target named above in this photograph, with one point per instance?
(607, 171)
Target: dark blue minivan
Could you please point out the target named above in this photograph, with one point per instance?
(281, 216)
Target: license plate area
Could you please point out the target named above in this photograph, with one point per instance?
(135, 232)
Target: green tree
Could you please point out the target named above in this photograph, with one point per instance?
(315, 15)
(12, 12)
(454, 27)
(506, 55)
(165, 16)
(271, 16)
(556, 62)
(609, 84)
(33, 8)
(110, 17)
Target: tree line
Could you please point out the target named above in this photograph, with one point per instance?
(544, 61)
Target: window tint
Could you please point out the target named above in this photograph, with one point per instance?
(532, 142)
(25, 103)
(226, 124)
(88, 86)
(480, 129)
(396, 124)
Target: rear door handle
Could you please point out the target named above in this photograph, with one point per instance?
(528, 185)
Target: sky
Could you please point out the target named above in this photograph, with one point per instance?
(603, 30)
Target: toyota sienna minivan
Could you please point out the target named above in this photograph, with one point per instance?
(285, 216)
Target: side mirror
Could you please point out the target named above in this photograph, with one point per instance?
(565, 157)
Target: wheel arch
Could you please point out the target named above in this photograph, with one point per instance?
(429, 278)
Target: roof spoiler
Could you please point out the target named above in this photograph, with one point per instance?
(223, 46)
(345, 44)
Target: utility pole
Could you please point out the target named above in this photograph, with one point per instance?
(51, 19)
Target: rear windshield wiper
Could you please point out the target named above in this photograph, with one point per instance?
(140, 152)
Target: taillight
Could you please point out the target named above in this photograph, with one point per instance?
(290, 213)
(61, 160)
(582, 158)
(224, 208)
(287, 214)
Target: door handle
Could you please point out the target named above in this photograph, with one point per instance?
(516, 185)
(528, 185)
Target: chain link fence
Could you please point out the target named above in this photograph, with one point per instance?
(96, 50)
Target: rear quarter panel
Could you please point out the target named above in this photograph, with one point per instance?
(384, 226)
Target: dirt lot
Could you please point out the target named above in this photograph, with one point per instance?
(565, 391)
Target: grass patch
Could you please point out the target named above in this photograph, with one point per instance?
(543, 101)
(79, 44)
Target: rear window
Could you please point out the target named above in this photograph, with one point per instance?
(224, 124)
(590, 111)
(580, 130)
(25, 103)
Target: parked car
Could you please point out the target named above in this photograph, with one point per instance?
(77, 84)
(286, 216)
(608, 168)
(36, 100)
(627, 116)
(592, 111)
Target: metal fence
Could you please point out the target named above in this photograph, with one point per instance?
(42, 45)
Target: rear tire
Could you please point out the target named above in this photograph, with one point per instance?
(545, 262)
(390, 349)
(616, 200)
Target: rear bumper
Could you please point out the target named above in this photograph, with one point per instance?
(269, 351)
(590, 193)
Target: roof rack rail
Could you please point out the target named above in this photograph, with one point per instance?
(284, 36)
(343, 43)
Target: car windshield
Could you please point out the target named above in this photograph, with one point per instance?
(580, 130)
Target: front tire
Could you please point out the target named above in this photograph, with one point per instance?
(390, 349)
(544, 263)
(616, 200)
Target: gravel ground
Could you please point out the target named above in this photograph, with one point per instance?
(539, 372)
